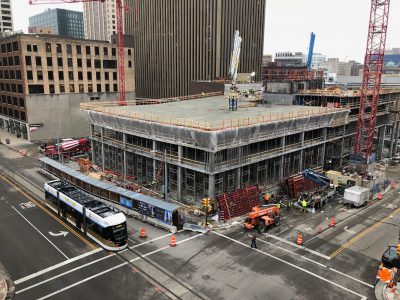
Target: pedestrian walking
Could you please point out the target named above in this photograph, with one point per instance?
(253, 241)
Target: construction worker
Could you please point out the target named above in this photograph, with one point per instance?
(304, 205)
(267, 197)
(289, 204)
(253, 241)
(278, 205)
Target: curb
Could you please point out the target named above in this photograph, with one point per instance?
(21, 152)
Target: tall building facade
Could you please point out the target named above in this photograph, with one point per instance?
(64, 22)
(6, 19)
(100, 20)
(182, 41)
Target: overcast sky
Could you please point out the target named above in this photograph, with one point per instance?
(340, 25)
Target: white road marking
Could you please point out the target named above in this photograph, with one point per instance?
(351, 277)
(40, 232)
(293, 253)
(64, 233)
(280, 232)
(298, 246)
(26, 205)
(352, 232)
(309, 240)
(66, 262)
(292, 265)
(116, 267)
(131, 240)
(144, 243)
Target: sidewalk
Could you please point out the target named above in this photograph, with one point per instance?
(20, 145)
(7, 287)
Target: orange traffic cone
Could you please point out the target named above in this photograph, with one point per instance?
(332, 222)
(173, 241)
(393, 184)
(319, 229)
(143, 234)
(299, 239)
(379, 196)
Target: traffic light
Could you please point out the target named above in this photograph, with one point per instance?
(205, 202)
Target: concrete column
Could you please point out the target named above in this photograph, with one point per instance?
(302, 138)
(281, 167)
(301, 167)
(396, 138)
(154, 160)
(392, 140)
(179, 154)
(341, 153)
(124, 153)
(91, 143)
(381, 141)
(324, 133)
(211, 186)
(102, 149)
(179, 183)
(238, 177)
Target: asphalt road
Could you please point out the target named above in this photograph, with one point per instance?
(339, 263)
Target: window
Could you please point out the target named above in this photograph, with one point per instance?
(71, 75)
(106, 76)
(79, 61)
(60, 75)
(88, 63)
(28, 61)
(105, 51)
(113, 51)
(115, 76)
(62, 88)
(15, 45)
(80, 75)
(10, 61)
(29, 48)
(107, 87)
(72, 88)
(88, 50)
(59, 61)
(21, 102)
(38, 61)
(89, 75)
(109, 64)
(49, 61)
(29, 75)
(18, 74)
(69, 61)
(99, 88)
(115, 87)
(16, 60)
(36, 89)
(48, 47)
(51, 88)
(5, 61)
(78, 49)
(96, 50)
(98, 76)
(19, 89)
(35, 48)
(90, 88)
(6, 74)
(129, 52)
(23, 116)
(15, 101)
(50, 75)
(69, 49)
(9, 46)
(97, 63)
(59, 48)
(39, 75)
(81, 88)
(12, 74)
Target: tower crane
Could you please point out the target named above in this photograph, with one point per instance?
(310, 51)
(120, 42)
(371, 81)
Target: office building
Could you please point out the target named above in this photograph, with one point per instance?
(6, 19)
(64, 22)
(44, 78)
(194, 47)
(392, 57)
(41, 30)
(291, 59)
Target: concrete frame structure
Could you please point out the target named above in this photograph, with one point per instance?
(211, 151)
(42, 76)
(6, 18)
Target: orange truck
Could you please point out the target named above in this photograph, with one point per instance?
(262, 218)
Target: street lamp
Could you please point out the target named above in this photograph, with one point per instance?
(253, 74)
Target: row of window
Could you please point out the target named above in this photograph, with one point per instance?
(13, 113)
(98, 64)
(10, 61)
(71, 75)
(10, 74)
(20, 102)
(9, 47)
(78, 48)
(11, 88)
(39, 88)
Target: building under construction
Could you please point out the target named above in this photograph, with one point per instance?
(203, 149)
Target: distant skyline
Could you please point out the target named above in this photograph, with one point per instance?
(340, 25)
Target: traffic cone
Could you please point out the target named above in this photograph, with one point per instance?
(379, 196)
(332, 222)
(173, 241)
(319, 229)
(143, 234)
(299, 239)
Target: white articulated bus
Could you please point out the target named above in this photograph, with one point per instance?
(103, 224)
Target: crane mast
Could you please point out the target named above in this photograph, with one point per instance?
(120, 42)
(371, 81)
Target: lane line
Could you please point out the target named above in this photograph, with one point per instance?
(363, 233)
(280, 232)
(63, 263)
(40, 232)
(293, 253)
(48, 212)
(353, 278)
(293, 265)
(309, 240)
(298, 246)
(115, 267)
(131, 240)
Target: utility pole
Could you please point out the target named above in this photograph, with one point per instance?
(165, 176)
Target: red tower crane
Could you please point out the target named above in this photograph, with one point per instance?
(120, 42)
(371, 82)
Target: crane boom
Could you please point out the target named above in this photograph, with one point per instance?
(120, 42)
(372, 72)
(310, 51)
